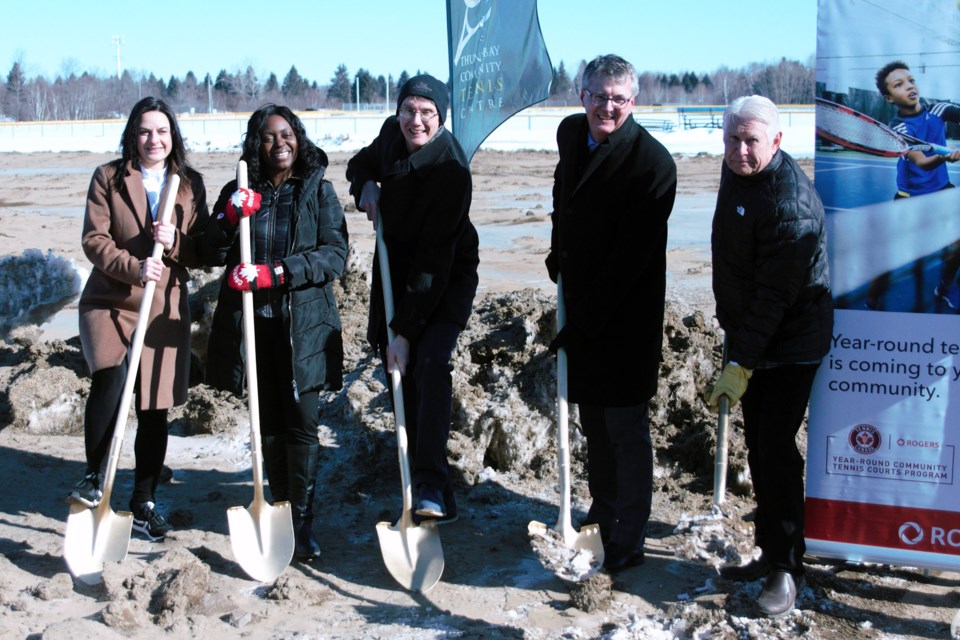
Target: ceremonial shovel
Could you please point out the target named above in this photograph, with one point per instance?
(588, 537)
(413, 554)
(98, 535)
(720, 459)
(261, 535)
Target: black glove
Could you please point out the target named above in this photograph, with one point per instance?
(553, 268)
(569, 338)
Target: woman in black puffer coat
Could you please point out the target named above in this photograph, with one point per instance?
(299, 239)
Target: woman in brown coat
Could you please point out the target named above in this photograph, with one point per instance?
(119, 231)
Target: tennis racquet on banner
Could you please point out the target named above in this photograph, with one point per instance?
(860, 132)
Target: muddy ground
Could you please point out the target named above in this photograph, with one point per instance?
(502, 450)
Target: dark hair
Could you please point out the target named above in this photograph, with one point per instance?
(177, 159)
(885, 70)
(309, 155)
(611, 67)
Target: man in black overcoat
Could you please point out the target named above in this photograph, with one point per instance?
(614, 189)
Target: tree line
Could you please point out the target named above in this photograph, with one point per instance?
(84, 96)
(785, 82)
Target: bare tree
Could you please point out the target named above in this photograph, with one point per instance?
(38, 96)
(248, 85)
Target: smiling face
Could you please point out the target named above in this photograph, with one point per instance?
(748, 148)
(902, 91)
(603, 119)
(419, 121)
(278, 149)
(154, 140)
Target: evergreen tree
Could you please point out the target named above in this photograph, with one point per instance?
(172, 90)
(293, 83)
(402, 80)
(272, 85)
(224, 83)
(16, 91)
(368, 86)
(340, 85)
(561, 84)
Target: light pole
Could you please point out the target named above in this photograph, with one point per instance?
(117, 40)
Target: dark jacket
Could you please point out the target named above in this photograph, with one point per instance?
(316, 254)
(770, 274)
(433, 246)
(609, 242)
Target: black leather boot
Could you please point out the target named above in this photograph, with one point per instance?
(275, 465)
(302, 462)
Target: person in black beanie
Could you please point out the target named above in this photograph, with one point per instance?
(415, 180)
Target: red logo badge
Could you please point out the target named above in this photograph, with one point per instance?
(864, 438)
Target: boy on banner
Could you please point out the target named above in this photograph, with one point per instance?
(919, 173)
(772, 287)
(614, 189)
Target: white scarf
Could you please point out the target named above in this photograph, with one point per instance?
(153, 183)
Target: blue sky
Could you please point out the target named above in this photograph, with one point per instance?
(387, 36)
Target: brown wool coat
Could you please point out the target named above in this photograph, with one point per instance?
(117, 237)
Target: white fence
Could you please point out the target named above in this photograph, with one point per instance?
(533, 128)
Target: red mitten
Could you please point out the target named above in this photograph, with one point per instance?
(252, 277)
(243, 203)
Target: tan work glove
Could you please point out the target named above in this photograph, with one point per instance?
(731, 383)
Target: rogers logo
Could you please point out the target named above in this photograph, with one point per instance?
(864, 438)
(911, 533)
(925, 444)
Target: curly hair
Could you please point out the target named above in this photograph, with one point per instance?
(309, 155)
(881, 78)
(176, 161)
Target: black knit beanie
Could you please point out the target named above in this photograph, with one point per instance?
(426, 86)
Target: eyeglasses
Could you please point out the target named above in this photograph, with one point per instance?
(426, 115)
(600, 100)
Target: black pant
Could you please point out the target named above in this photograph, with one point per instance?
(99, 420)
(619, 472)
(281, 414)
(773, 409)
(428, 403)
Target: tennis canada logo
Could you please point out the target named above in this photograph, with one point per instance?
(911, 533)
(865, 439)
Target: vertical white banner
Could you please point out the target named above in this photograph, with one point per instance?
(885, 410)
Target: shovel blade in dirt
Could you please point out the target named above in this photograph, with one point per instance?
(261, 537)
(413, 555)
(92, 539)
(587, 539)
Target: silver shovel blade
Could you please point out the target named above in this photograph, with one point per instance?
(413, 554)
(94, 537)
(261, 537)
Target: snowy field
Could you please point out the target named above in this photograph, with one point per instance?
(533, 128)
